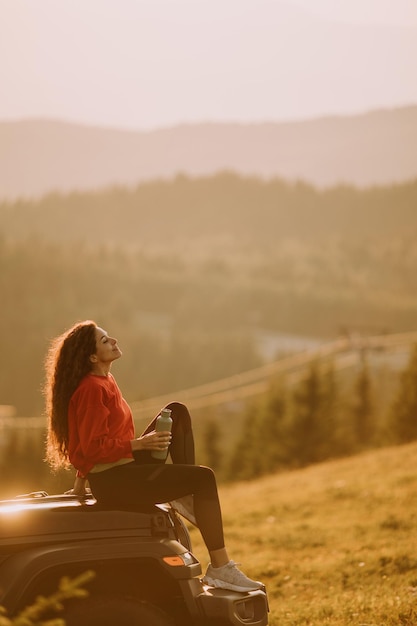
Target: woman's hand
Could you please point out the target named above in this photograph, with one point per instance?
(79, 488)
(152, 441)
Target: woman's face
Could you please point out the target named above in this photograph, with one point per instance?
(107, 349)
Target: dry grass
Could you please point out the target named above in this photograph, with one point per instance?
(334, 543)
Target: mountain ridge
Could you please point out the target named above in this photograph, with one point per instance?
(378, 147)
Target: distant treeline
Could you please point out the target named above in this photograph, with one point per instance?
(225, 210)
(185, 273)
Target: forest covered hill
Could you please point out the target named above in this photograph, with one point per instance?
(222, 212)
(374, 148)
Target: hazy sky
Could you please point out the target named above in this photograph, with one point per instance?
(148, 63)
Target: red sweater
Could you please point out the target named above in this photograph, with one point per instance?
(100, 424)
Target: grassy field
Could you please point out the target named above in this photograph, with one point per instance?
(335, 543)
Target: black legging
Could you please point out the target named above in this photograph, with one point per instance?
(149, 481)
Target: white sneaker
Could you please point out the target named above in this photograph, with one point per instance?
(185, 507)
(230, 577)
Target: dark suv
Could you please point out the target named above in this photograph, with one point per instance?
(145, 572)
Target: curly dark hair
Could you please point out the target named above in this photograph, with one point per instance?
(67, 362)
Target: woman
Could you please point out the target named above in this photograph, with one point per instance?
(90, 427)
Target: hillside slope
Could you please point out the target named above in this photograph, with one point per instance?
(379, 147)
(335, 543)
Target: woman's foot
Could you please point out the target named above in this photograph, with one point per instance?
(230, 577)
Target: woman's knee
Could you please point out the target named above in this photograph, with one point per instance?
(208, 477)
(180, 415)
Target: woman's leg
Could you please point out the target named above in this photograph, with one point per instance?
(181, 448)
(135, 485)
(182, 444)
(128, 485)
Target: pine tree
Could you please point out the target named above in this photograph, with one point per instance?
(261, 448)
(362, 408)
(211, 438)
(307, 428)
(330, 443)
(403, 414)
(272, 439)
(246, 461)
